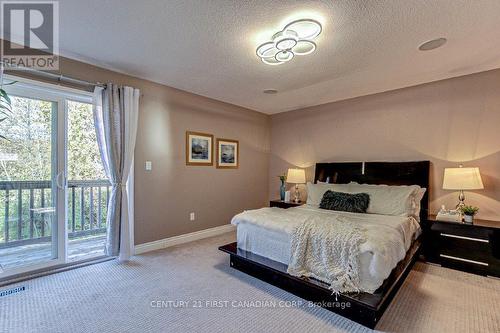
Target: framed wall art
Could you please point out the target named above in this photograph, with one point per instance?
(199, 148)
(227, 154)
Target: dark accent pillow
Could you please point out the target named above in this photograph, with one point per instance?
(345, 202)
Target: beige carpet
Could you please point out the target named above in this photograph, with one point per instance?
(109, 297)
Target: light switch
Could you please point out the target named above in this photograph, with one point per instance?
(149, 165)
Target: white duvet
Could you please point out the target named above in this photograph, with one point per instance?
(268, 233)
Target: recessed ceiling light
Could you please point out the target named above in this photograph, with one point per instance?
(294, 39)
(432, 44)
(270, 91)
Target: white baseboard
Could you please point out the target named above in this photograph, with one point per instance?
(181, 239)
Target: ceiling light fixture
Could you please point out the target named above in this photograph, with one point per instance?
(270, 91)
(432, 44)
(295, 39)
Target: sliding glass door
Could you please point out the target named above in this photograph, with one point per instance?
(53, 191)
(29, 193)
(88, 187)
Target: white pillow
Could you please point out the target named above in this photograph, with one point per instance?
(389, 200)
(417, 200)
(315, 192)
(400, 200)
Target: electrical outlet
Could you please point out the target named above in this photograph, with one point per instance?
(191, 217)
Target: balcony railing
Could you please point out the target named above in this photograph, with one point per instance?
(27, 210)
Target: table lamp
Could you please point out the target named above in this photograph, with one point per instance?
(460, 179)
(296, 176)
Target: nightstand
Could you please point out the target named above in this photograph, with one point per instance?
(474, 248)
(284, 204)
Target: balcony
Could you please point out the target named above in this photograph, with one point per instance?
(27, 216)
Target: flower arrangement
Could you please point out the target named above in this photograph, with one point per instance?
(469, 210)
(282, 187)
(282, 177)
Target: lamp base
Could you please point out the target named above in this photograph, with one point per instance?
(296, 198)
(461, 201)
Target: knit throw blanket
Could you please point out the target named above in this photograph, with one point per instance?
(328, 249)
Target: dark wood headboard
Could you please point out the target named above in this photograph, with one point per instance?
(388, 173)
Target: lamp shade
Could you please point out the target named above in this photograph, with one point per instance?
(296, 176)
(462, 179)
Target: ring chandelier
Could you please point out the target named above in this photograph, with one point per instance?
(295, 39)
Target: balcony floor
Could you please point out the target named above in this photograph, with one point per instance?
(78, 249)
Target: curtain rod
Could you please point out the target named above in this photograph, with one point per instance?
(58, 77)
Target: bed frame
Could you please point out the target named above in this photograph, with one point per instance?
(364, 308)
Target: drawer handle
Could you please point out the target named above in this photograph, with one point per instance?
(465, 260)
(467, 238)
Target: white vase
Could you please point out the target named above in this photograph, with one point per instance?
(468, 218)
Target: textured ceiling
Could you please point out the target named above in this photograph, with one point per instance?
(208, 47)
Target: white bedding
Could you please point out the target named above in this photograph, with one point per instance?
(268, 231)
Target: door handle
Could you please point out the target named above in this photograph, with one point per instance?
(57, 180)
(58, 183)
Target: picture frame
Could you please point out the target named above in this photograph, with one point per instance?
(199, 149)
(228, 154)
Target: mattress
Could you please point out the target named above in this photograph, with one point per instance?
(388, 239)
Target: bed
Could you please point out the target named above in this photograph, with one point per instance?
(263, 249)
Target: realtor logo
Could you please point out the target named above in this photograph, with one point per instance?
(30, 34)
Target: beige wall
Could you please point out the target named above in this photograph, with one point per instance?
(447, 122)
(165, 196)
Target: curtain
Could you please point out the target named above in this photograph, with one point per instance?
(116, 112)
